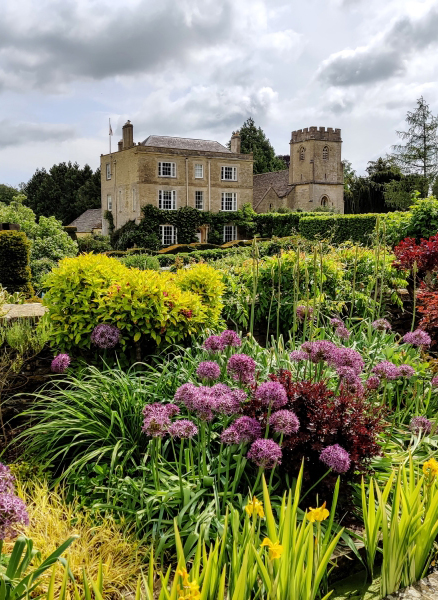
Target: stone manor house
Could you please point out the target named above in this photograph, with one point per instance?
(170, 172)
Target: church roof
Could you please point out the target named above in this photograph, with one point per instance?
(164, 141)
(277, 180)
(89, 220)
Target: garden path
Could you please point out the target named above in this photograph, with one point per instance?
(33, 310)
(426, 589)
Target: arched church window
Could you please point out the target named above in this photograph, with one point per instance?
(324, 201)
(325, 153)
(302, 152)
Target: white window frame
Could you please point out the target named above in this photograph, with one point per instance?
(227, 198)
(165, 196)
(199, 200)
(229, 230)
(134, 200)
(168, 235)
(108, 171)
(228, 173)
(109, 202)
(199, 171)
(162, 168)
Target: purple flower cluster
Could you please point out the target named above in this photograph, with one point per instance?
(208, 370)
(7, 480)
(214, 344)
(298, 356)
(346, 357)
(406, 371)
(271, 394)
(335, 322)
(381, 325)
(419, 424)
(343, 333)
(434, 381)
(318, 351)
(204, 401)
(243, 431)
(386, 370)
(242, 368)
(265, 453)
(373, 382)
(285, 422)
(105, 336)
(157, 417)
(12, 513)
(60, 363)
(227, 339)
(304, 312)
(336, 458)
(348, 375)
(183, 429)
(417, 338)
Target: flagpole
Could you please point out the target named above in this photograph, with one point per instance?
(109, 121)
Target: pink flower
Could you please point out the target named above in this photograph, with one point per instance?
(336, 458)
(271, 394)
(285, 422)
(265, 453)
(208, 370)
(241, 367)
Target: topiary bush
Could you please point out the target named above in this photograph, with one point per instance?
(15, 272)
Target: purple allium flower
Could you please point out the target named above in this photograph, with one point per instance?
(242, 431)
(319, 350)
(241, 367)
(271, 394)
(60, 363)
(417, 338)
(373, 382)
(381, 325)
(284, 421)
(12, 513)
(183, 429)
(347, 374)
(335, 322)
(304, 312)
(298, 356)
(157, 418)
(336, 458)
(419, 424)
(346, 357)
(105, 336)
(386, 370)
(203, 404)
(434, 381)
(228, 403)
(208, 370)
(185, 394)
(214, 344)
(7, 480)
(230, 338)
(265, 453)
(342, 332)
(406, 371)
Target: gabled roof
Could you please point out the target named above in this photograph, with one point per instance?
(89, 220)
(277, 180)
(164, 141)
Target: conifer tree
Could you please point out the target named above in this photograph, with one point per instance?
(253, 139)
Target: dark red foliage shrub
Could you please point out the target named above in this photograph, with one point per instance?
(425, 254)
(427, 306)
(325, 419)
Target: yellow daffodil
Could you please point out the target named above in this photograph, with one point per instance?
(318, 514)
(430, 468)
(185, 576)
(275, 549)
(190, 589)
(255, 507)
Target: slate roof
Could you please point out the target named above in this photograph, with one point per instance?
(277, 180)
(164, 141)
(89, 220)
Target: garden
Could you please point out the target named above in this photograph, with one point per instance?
(255, 421)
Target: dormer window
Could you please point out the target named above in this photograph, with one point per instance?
(302, 152)
(325, 153)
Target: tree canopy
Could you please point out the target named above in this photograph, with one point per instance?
(253, 139)
(368, 194)
(7, 192)
(65, 191)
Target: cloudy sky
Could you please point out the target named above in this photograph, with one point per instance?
(199, 68)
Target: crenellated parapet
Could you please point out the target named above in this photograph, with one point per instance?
(316, 133)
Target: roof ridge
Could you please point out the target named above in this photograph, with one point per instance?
(178, 137)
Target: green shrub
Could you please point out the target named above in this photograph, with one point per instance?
(424, 218)
(94, 243)
(15, 272)
(269, 225)
(339, 228)
(141, 261)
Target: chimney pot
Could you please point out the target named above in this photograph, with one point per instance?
(128, 135)
(235, 142)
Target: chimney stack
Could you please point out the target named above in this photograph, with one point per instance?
(235, 142)
(120, 145)
(128, 135)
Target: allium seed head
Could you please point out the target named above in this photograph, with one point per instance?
(419, 424)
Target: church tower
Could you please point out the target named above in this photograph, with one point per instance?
(316, 171)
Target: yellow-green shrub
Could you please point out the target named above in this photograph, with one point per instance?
(148, 307)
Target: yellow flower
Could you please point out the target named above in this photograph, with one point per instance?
(255, 507)
(430, 468)
(185, 576)
(275, 549)
(318, 514)
(190, 589)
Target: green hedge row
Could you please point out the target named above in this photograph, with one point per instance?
(279, 225)
(15, 272)
(339, 228)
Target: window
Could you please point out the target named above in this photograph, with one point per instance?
(199, 171)
(168, 235)
(229, 201)
(324, 201)
(120, 200)
(229, 173)
(109, 202)
(134, 199)
(108, 171)
(230, 233)
(325, 153)
(302, 152)
(167, 169)
(167, 199)
(199, 200)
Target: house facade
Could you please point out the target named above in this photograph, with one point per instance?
(171, 172)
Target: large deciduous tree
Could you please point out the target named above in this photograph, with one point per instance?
(253, 139)
(65, 191)
(7, 192)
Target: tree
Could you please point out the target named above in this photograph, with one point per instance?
(367, 194)
(419, 155)
(7, 192)
(65, 191)
(401, 194)
(254, 140)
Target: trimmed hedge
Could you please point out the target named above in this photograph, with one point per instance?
(339, 228)
(15, 272)
(278, 224)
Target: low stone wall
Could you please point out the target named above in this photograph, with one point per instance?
(426, 589)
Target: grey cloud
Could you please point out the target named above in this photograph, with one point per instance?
(17, 134)
(128, 42)
(383, 58)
